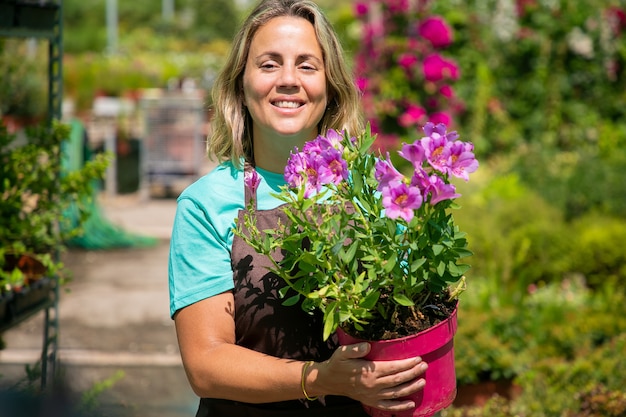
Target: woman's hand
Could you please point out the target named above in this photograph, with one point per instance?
(380, 384)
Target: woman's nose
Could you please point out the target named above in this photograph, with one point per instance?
(289, 77)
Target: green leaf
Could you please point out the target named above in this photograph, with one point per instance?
(441, 269)
(291, 301)
(457, 270)
(417, 264)
(349, 255)
(403, 300)
(330, 320)
(390, 264)
(370, 300)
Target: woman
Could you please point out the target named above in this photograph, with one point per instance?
(245, 354)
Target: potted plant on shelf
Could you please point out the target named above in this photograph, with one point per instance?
(375, 250)
(37, 193)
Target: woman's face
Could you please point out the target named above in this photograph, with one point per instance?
(284, 86)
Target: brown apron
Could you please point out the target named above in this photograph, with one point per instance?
(264, 324)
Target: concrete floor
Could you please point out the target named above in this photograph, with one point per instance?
(114, 322)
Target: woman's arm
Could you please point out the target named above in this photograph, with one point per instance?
(217, 368)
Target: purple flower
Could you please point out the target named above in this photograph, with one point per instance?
(437, 151)
(440, 191)
(462, 160)
(414, 153)
(439, 129)
(400, 200)
(386, 174)
(437, 31)
(252, 180)
(333, 139)
(332, 168)
(296, 167)
(421, 180)
(320, 163)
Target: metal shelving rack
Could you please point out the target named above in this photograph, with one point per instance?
(41, 19)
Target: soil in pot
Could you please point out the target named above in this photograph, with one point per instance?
(407, 321)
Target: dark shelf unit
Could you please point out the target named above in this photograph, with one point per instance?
(40, 19)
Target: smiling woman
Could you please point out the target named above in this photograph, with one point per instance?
(245, 352)
(284, 86)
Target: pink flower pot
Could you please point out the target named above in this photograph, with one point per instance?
(435, 347)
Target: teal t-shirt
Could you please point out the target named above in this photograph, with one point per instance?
(202, 236)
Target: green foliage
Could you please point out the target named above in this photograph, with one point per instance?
(22, 81)
(596, 253)
(481, 354)
(194, 21)
(37, 191)
(87, 75)
(588, 179)
(516, 236)
(563, 348)
(553, 73)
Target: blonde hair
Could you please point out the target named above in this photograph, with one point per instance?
(231, 136)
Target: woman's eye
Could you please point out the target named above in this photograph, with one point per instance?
(308, 67)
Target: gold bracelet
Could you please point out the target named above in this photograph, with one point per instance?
(303, 378)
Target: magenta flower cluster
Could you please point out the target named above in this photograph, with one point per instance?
(435, 157)
(319, 163)
(405, 78)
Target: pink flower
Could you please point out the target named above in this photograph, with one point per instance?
(398, 6)
(412, 116)
(332, 168)
(296, 168)
(407, 61)
(414, 153)
(447, 91)
(361, 9)
(437, 145)
(252, 180)
(400, 200)
(441, 118)
(440, 191)
(362, 83)
(436, 68)
(436, 30)
(386, 174)
(462, 160)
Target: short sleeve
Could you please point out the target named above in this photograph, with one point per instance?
(199, 259)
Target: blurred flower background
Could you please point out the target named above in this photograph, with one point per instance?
(539, 87)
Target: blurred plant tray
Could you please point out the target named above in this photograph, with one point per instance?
(17, 306)
(5, 301)
(29, 297)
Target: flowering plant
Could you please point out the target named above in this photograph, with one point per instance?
(364, 243)
(402, 68)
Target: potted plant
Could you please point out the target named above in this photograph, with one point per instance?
(38, 193)
(376, 251)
